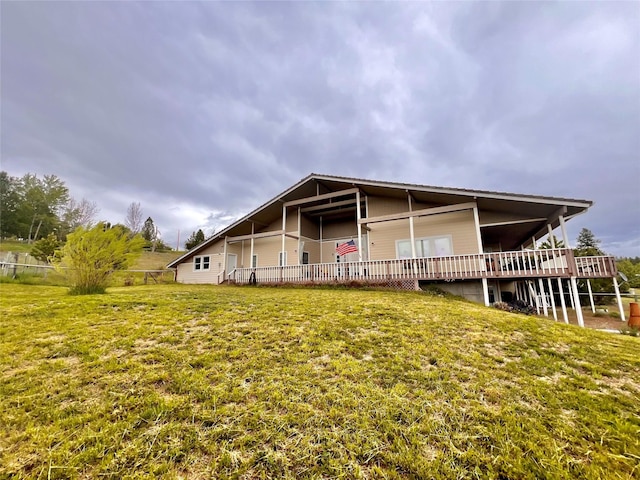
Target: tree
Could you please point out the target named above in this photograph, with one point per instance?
(9, 202)
(548, 244)
(78, 214)
(149, 230)
(587, 245)
(133, 220)
(196, 238)
(45, 248)
(90, 256)
(42, 201)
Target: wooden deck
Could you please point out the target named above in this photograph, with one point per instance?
(525, 264)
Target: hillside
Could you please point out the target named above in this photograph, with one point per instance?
(176, 381)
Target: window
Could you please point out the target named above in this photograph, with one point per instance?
(282, 259)
(254, 261)
(201, 263)
(426, 247)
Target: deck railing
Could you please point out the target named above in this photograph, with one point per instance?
(551, 263)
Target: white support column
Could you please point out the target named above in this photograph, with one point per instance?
(574, 288)
(593, 307)
(224, 260)
(534, 294)
(476, 219)
(299, 237)
(320, 238)
(543, 295)
(553, 300)
(619, 299)
(358, 218)
(284, 229)
(485, 282)
(563, 228)
(562, 302)
(551, 240)
(485, 292)
(253, 225)
(573, 300)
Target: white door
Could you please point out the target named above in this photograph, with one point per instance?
(232, 262)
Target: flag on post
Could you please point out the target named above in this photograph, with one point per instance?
(346, 247)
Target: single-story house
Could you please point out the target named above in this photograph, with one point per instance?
(474, 243)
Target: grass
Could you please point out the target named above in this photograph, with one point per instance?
(176, 381)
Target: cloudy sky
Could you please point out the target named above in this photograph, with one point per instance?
(203, 111)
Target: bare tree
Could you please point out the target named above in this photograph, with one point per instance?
(133, 221)
(79, 214)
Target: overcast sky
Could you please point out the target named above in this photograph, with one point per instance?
(204, 111)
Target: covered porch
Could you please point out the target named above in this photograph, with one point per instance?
(534, 270)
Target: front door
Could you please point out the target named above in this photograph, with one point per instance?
(232, 262)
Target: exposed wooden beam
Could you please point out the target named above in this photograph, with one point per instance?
(239, 238)
(327, 206)
(513, 222)
(317, 198)
(421, 213)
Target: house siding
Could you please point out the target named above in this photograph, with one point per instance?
(460, 225)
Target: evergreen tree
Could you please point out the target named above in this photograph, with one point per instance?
(44, 248)
(196, 238)
(587, 245)
(149, 230)
(556, 241)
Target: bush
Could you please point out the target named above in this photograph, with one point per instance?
(90, 256)
(516, 306)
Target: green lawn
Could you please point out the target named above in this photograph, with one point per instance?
(180, 381)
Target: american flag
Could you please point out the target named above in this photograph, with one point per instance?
(346, 247)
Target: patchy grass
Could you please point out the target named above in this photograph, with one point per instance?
(180, 381)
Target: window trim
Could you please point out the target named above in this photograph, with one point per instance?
(199, 263)
(430, 239)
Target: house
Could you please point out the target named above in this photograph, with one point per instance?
(478, 244)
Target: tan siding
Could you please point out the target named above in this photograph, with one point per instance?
(386, 206)
(186, 273)
(460, 225)
(313, 247)
(339, 230)
(383, 238)
(309, 228)
(379, 206)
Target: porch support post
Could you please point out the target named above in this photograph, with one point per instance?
(562, 302)
(619, 299)
(299, 236)
(412, 235)
(574, 287)
(485, 291)
(551, 240)
(358, 218)
(320, 238)
(224, 260)
(543, 295)
(253, 225)
(563, 227)
(571, 297)
(553, 300)
(485, 282)
(593, 307)
(284, 229)
(534, 294)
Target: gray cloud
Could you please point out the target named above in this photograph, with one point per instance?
(203, 111)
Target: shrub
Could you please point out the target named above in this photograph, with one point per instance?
(90, 256)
